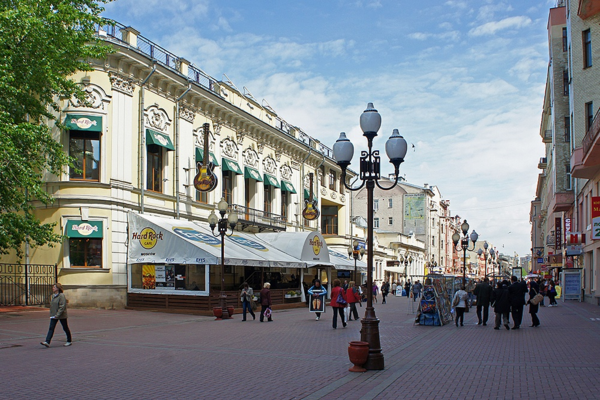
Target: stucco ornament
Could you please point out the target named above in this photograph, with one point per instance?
(157, 119)
(260, 147)
(250, 158)
(286, 172)
(121, 84)
(187, 114)
(95, 98)
(270, 166)
(240, 137)
(229, 148)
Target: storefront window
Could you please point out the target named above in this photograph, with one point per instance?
(160, 277)
(329, 220)
(84, 147)
(85, 253)
(154, 172)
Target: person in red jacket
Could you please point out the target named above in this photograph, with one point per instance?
(338, 308)
(353, 297)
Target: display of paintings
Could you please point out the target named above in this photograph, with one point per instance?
(317, 302)
(165, 277)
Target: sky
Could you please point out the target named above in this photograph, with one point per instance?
(462, 80)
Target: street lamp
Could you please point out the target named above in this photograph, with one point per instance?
(221, 225)
(433, 265)
(343, 151)
(464, 244)
(406, 260)
(485, 254)
(356, 252)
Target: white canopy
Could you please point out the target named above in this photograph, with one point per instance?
(309, 247)
(342, 262)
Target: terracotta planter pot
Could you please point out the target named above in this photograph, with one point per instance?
(218, 312)
(358, 352)
(230, 311)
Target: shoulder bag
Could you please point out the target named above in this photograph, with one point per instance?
(340, 299)
(537, 299)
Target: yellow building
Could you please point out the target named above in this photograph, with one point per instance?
(137, 140)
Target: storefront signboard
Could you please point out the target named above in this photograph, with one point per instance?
(572, 285)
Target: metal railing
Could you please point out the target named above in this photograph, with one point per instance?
(26, 284)
(258, 217)
(591, 134)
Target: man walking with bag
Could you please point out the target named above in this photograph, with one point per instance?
(483, 291)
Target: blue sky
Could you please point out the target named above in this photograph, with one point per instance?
(462, 80)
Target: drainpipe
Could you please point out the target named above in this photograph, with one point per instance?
(302, 178)
(142, 168)
(177, 147)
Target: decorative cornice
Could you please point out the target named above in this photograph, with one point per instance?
(187, 114)
(121, 84)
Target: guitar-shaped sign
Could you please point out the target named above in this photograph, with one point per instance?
(205, 180)
(310, 212)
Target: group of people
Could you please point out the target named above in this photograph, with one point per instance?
(342, 298)
(508, 300)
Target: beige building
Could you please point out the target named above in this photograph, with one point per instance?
(137, 141)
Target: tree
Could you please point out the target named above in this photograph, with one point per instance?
(42, 44)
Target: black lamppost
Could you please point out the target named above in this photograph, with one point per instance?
(433, 265)
(356, 252)
(221, 225)
(343, 151)
(484, 252)
(406, 260)
(464, 244)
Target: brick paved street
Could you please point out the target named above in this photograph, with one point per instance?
(149, 355)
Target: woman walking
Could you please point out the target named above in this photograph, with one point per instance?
(58, 312)
(534, 289)
(353, 297)
(460, 304)
(317, 296)
(265, 302)
(552, 294)
(246, 296)
(338, 308)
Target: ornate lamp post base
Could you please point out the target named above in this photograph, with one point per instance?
(369, 333)
(223, 298)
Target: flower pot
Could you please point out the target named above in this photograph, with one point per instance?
(230, 311)
(358, 352)
(218, 312)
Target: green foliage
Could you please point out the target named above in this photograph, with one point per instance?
(42, 43)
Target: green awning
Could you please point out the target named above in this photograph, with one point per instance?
(84, 229)
(200, 156)
(287, 187)
(230, 165)
(159, 139)
(307, 195)
(86, 123)
(252, 174)
(270, 180)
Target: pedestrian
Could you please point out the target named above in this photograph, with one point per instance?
(394, 288)
(247, 301)
(552, 294)
(501, 304)
(543, 291)
(353, 297)
(416, 290)
(375, 291)
(317, 296)
(516, 295)
(58, 312)
(345, 287)
(385, 290)
(265, 302)
(460, 304)
(407, 287)
(534, 289)
(338, 307)
(483, 291)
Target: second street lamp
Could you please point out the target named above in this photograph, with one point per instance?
(485, 253)
(343, 151)
(221, 225)
(464, 244)
(357, 253)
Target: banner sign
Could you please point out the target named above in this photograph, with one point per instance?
(572, 285)
(558, 233)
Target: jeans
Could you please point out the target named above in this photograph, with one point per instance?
(552, 299)
(460, 315)
(384, 295)
(336, 311)
(535, 321)
(65, 327)
(486, 312)
(500, 316)
(354, 311)
(246, 305)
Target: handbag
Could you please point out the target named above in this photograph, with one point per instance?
(340, 299)
(267, 313)
(455, 301)
(536, 299)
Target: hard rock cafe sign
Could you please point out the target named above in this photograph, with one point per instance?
(316, 244)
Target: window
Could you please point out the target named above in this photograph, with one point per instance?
(564, 38)
(568, 177)
(433, 240)
(589, 115)
(332, 179)
(84, 147)
(587, 48)
(375, 223)
(85, 253)
(390, 203)
(227, 186)
(566, 82)
(329, 220)
(268, 199)
(390, 221)
(375, 205)
(567, 129)
(323, 175)
(155, 167)
(284, 204)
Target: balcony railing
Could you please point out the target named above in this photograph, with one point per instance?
(543, 163)
(261, 219)
(591, 134)
(547, 136)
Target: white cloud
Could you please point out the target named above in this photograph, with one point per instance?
(491, 28)
(450, 35)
